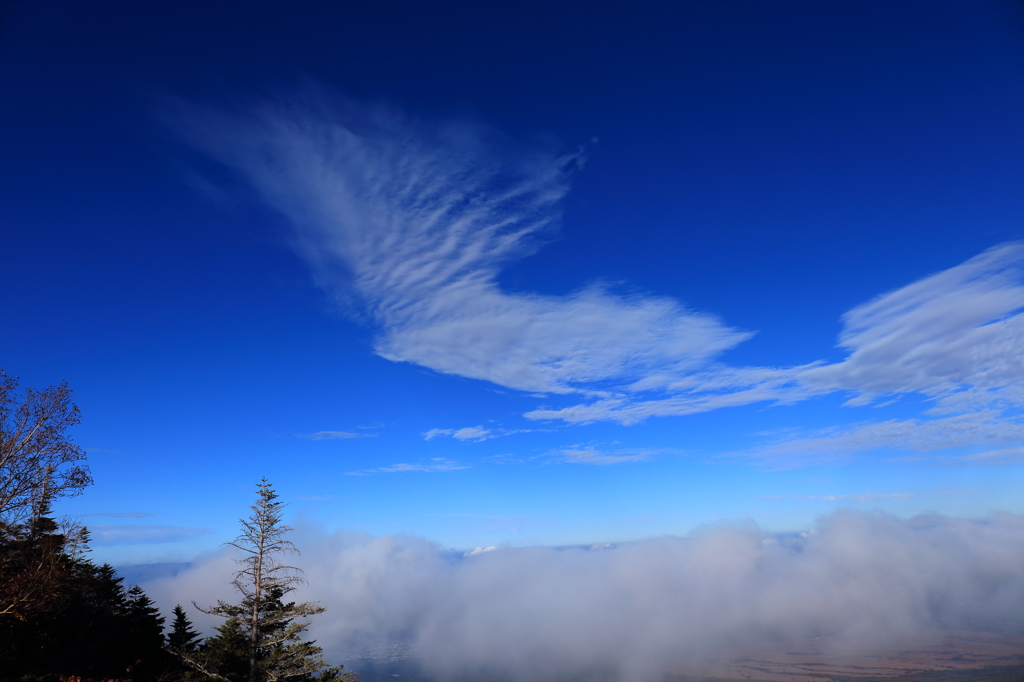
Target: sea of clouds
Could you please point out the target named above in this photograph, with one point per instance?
(857, 580)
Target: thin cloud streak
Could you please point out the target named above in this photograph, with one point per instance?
(956, 337)
(475, 433)
(124, 534)
(333, 435)
(587, 455)
(870, 498)
(435, 464)
(472, 433)
(119, 515)
(863, 498)
(989, 428)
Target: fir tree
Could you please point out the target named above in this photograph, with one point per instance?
(261, 638)
(60, 614)
(182, 637)
(67, 616)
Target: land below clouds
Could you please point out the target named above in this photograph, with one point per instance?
(948, 656)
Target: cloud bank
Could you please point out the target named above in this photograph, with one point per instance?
(633, 611)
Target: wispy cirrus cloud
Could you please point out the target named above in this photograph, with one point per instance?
(1000, 456)
(119, 515)
(472, 433)
(870, 498)
(333, 435)
(435, 464)
(863, 498)
(408, 223)
(476, 433)
(986, 428)
(589, 455)
(956, 336)
(961, 328)
(126, 534)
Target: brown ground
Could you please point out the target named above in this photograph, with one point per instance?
(952, 653)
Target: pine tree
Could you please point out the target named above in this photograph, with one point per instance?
(60, 614)
(66, 616)
(261, 638)
(182, 637)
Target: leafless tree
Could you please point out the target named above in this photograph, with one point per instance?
(38, 461)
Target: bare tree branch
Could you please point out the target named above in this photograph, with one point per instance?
(37, 459)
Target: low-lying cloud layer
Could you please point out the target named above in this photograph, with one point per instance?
(635, 610)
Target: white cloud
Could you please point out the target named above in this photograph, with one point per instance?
(1001, 456)
(638, 610)
(410, 221)
(587, 455)
(332, 435)
(987, 428)
(120, 515)
(863, 498)
(124, 534)
(715, 388)
(433, 465)
(956, 336)
(473, 433)
(963, 327)
(870, 498)
(481, 550)
(477, 433)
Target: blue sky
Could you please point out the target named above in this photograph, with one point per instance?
(531, 273)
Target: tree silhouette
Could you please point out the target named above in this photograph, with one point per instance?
(182, 637)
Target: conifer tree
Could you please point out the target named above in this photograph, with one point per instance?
(65, 616)
(182, 637)
(60, 614)
(261, 638)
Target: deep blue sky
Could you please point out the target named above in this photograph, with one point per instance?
(773, 165)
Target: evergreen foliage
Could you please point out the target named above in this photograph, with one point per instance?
(60, 614)
(182, 637)
(64, 615)
(261, 637)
